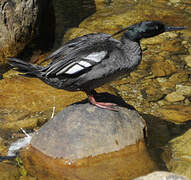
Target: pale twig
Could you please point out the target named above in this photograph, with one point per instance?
(53, 109)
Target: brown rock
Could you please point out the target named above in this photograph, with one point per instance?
(167, 86)
(127, 164)
(153, 94)
(187, 59)
(8, 171)
(179, 77)
(177, 155)
(151, 90)
(20, 22)
(176, 113)
(162, 68)
(173, 46)
(184, 90)
(27, 178)
(174, 97)
(3, 147)
(161, 175)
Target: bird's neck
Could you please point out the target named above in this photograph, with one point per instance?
(132, 51)
(129, 44)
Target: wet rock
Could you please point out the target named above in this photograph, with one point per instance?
(173, 46)
(3, 147)
(161, 175)
(100, 4)
(175, 1)
(179, 77)
(166, 85)
(125, 164)
(187, 59)
(22, 21)
(151, 90)
(184, 90)
(174, 97)
(176, 113)
(8, 171)
(177, 155)
(162, 68)
(27, 178)
(87, 142)
(152, 94)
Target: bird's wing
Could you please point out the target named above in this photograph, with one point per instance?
(80, 54)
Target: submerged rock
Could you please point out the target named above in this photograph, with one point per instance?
(3, 147)
(162, 68)
(162, 175)
(174, 97)
(87, 142)
(9, 171)
(176, 113)
(177, 155)
(187, 59)
(184, 90)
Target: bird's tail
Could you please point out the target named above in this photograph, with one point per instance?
(28, 70)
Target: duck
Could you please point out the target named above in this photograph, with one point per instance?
(90, 61)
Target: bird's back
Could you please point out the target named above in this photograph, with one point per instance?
(90, 61)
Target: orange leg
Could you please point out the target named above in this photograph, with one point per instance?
(103, 105)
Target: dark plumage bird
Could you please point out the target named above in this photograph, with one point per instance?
(89, 61)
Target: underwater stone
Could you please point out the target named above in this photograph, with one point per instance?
(162, 175)
(184, 90)
(174, 97)
(176, 113)
(162, 68)
(187, 59)
(177, 154)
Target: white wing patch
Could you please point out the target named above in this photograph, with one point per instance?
(65, 68)
(85, 64)
(96, 56)
(76, 67)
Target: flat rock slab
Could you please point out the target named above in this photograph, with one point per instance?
(83, 130)
(162, 175)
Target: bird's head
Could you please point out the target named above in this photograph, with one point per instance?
(147, 29)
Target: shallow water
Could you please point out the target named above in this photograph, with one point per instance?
(35, 101)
